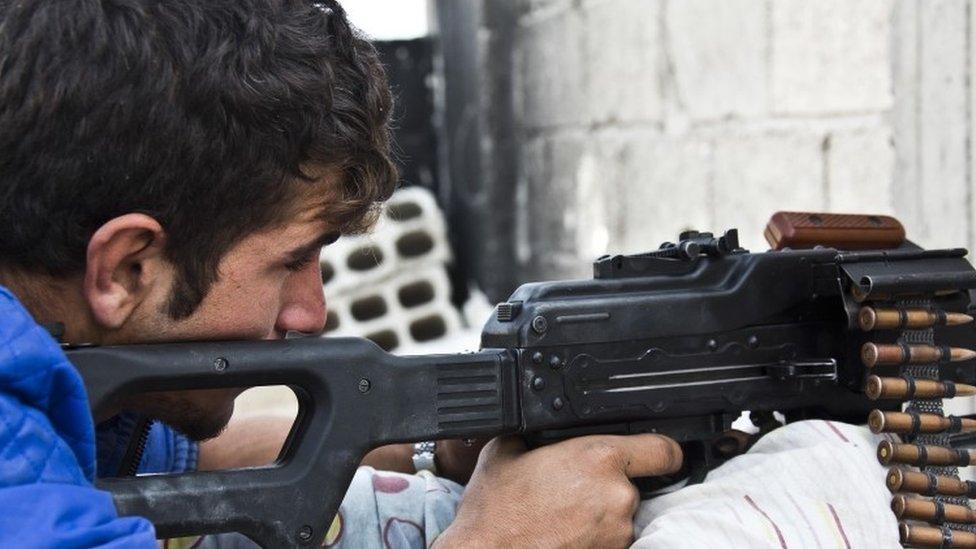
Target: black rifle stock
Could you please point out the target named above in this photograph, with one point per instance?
(678, 341)
(352, 397)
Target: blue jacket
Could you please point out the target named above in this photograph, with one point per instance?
(47, 448)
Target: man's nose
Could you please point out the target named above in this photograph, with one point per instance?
(303, 303)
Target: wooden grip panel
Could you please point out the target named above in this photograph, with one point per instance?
(841, 231)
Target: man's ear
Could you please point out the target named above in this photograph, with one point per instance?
(125, 261)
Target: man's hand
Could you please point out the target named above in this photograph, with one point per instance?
(575, 493)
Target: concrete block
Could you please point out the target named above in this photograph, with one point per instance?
(557, 267)
(594, 211)
(418, 228)
(757, 175)
(412, 307)
(551, 166)
(551, 73)
(931, 122)
(533, 10)
(860, 171)
(622, 60)
(831, 56)
(904, 114)
(718, 55)
(355, 260)
(662, 189)
(411, 232)
(943, 96)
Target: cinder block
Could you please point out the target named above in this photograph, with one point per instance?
(718, 52)
(860, 168)
(420, 233)
(412, 205)
(410, 232)
(412, 307)
(621, 60)
(831, 56)
(756, 175)
(357, 260)
(550, 71)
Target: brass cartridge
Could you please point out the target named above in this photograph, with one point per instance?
(900, 480)
(921, 455)
(907, 388)
(931, 511)
(912, 423)
(879, 318)
(874, 354)
(915, 535)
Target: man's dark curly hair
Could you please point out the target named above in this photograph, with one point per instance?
(208, 115)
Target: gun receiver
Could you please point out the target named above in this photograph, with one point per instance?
(678, 341)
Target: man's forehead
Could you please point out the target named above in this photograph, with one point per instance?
(314, 198)
(306, 227)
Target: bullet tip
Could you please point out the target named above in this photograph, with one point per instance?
(964, 354)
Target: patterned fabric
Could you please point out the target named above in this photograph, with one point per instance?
(47, 448)
(813, 484)
(402, 510)
(810, 484)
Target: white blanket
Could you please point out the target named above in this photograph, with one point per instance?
(810, 484)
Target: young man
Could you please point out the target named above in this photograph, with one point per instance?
(169, 171)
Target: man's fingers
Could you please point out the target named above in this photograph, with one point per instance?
(647, 455)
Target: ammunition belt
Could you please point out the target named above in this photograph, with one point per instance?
(923, 426)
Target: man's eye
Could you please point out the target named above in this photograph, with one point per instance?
(301, 263)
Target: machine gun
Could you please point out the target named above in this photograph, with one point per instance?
(678, 341)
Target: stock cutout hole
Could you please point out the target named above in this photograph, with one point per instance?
(368, 308)
(428, 328)
(403, 211)
(327, 272)
(386, 339)
(365, 258)
(416, 293)
(263, 408)
(414, 243)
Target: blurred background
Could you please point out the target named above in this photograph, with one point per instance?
(554, 131)
(537, 135)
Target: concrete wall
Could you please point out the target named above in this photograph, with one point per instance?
(635, 119)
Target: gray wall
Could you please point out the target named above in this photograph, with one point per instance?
(595, 126)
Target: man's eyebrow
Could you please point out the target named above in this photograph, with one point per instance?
(323, 239)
